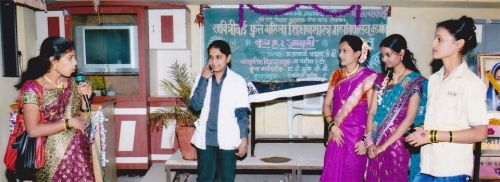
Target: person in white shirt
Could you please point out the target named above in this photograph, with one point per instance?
(456, 107)
(221, 97)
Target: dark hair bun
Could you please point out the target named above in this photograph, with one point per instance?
(462, 28)
(468, 22)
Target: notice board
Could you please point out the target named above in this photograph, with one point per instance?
(302, 44)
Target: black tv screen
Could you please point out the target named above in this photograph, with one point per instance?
(107, 46)
(107, 49)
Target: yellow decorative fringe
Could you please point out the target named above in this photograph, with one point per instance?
(494, 121)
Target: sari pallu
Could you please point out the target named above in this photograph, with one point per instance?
(67, 153)
(393, 164)
(349, 107)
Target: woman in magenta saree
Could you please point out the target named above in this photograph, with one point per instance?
(67, 153)
(398, 103)
(345, 110)
(51, 104)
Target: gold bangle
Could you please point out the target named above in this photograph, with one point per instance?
(430, 135)
(451, 136)
(330, 126)
(327, 116)
(66, 124)
(433, 137)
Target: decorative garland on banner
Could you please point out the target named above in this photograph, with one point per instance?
(267, 12)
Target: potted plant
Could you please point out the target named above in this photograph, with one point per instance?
(98, 84)
(180, 86)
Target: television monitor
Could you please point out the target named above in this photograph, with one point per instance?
(107, 49)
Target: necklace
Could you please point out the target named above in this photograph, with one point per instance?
(58, 85)
(396, 80)
(351, 73)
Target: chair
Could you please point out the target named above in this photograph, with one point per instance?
(312, 105)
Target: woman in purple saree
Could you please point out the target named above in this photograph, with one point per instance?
(345, 110)
(397, 104)
(51, 104)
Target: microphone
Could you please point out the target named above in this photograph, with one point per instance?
(79, 79)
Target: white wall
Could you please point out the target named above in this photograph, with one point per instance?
(26, 44)
(417, 25)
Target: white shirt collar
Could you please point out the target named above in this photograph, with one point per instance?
(456, 73)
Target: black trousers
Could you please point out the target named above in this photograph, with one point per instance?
(215, 163)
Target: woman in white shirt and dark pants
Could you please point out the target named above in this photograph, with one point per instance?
(456, 107)
(221, 132)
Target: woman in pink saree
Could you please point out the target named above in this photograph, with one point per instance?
(51, 104)
(345, 110)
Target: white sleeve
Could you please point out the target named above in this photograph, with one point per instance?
(242, 95)
(475, 103)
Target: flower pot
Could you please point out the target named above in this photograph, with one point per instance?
(98, 92)
(184, 135)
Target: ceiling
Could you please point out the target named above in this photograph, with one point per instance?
(407, 3)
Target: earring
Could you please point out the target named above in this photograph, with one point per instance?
(401, 58)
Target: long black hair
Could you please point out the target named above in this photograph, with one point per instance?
(396, 43)
(462, 28)
(40, 65)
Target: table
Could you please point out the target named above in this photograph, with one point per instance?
(249, 163)
(260, 99)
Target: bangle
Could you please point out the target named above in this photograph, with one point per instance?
(368, 141)
(451, 136)
(430, 136)
(364, 138)
(65, 124)
(327, 116)
(331, 125)
(433, 136)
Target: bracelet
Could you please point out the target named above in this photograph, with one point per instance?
(433, 136)
(331, 125)
(65, 124)
(327, 116)
(451, 136)
(368, 141)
